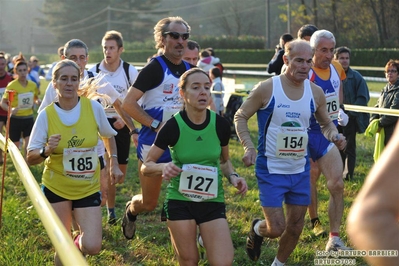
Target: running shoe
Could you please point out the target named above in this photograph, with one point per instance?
(318, 230)
(76, 238)
(128, 226)
(112, 220)
(335, 244)
(254, 242)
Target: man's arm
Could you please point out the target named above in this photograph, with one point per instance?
(373, 218)
(122, 113)
(132, 108)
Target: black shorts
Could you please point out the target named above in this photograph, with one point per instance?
(20, 126)
(93, 200)
(122, 142)
(3, 119)
(201, 212)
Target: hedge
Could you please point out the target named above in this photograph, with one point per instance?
(359, 57)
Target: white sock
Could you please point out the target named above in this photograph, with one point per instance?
(256, 228)
(200, 241)
(276, 262)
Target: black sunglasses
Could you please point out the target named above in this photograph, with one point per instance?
(176, 35)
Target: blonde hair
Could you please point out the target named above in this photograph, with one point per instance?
(88, 87)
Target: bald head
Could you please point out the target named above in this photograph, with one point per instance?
(298, 58)
(294, 47)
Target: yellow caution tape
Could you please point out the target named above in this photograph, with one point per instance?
(60, 238)
(371, 110)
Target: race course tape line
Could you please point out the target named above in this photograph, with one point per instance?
(60, 238)
(371, 110)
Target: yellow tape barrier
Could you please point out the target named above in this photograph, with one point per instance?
(372, 110)
(60, 238)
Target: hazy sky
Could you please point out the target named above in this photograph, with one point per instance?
(17, 27)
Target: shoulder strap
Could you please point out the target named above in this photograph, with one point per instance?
(90, 74)
(126, 68)
(98, 68)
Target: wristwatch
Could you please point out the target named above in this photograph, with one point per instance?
(134, 131)
(43, 152)
(155, 124)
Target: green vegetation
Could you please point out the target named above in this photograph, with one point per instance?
(25, 242)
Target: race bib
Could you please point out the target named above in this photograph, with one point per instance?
(332, 105)
(169, 111)
(292, 142)
(199, 182)
(111, 112)
(25, 100)
(80, 163)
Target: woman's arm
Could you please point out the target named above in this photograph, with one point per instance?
(228, 171)
(151, 168)
(115, 172)
(34, 156)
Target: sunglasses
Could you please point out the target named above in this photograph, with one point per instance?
(391, 71)
(176, 35)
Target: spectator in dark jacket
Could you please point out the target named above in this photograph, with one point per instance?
(277, 61)
(356, 92)
(389, 98)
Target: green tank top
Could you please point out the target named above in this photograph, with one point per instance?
(202, 149)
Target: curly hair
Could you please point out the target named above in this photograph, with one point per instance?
(163, 25)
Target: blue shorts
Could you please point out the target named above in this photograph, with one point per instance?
(318, 145)
(274, 189)
(143, 149)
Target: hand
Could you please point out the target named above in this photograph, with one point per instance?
(115, 173)
(14, 110)
(135, 139)
(249, 157)
(170, 170)
(343, 118)
(340, 141)
(240, 184)
(53, 142)
(118, 124)
(38, 102)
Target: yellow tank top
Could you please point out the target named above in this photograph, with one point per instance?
(72, 171)
(23, 98)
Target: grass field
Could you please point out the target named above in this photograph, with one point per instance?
(24, 241)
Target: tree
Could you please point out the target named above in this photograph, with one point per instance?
(88, 20)
(236, 18)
